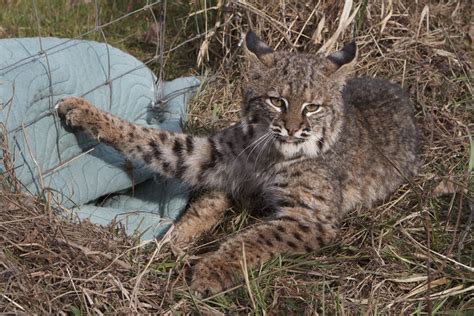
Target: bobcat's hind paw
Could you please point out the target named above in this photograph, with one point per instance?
(213, 275)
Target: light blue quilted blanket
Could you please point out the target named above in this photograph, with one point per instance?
(69, 169)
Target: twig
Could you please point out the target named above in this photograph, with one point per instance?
(89, 252)
(13, 302)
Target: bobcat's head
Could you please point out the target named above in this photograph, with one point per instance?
(297, 96)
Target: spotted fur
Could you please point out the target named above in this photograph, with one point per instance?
(309, 147)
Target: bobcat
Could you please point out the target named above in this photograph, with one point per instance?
(310, 146)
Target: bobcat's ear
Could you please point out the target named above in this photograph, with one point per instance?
(343, 60)
(256, 49)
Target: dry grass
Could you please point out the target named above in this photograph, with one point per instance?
(411, 255)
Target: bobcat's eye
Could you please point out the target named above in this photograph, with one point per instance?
(279, 104)
(311, 108)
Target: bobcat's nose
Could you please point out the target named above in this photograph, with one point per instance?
(292, 131)
(292, 127)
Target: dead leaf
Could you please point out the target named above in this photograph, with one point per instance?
(73, 3)
(471, 35)
(3, 32)
(152, 35)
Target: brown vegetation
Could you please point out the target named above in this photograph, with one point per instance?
(413, 253)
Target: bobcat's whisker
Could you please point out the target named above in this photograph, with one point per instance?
(262, 140)
(269, 141)
(255, 142)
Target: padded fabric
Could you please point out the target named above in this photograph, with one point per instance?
(71, 169)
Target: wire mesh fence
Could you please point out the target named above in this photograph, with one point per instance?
(155, 36)
(38, 71)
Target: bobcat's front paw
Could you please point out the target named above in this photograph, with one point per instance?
(178, 245)
(213, 275)
(182, 237)
(74, 110)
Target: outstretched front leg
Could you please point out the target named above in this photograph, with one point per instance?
(195, 160)
(307, 220)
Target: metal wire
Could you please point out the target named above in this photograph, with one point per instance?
(158, 57)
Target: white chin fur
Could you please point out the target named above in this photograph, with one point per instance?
(309, 148)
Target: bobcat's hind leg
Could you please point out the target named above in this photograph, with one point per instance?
(202, 214)
(306, 218)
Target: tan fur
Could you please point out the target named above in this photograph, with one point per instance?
(202, 214)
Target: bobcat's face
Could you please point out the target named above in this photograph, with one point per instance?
(305, 105)
(299, 95)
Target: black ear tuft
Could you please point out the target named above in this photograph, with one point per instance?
(256, 45)
(345, 55)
